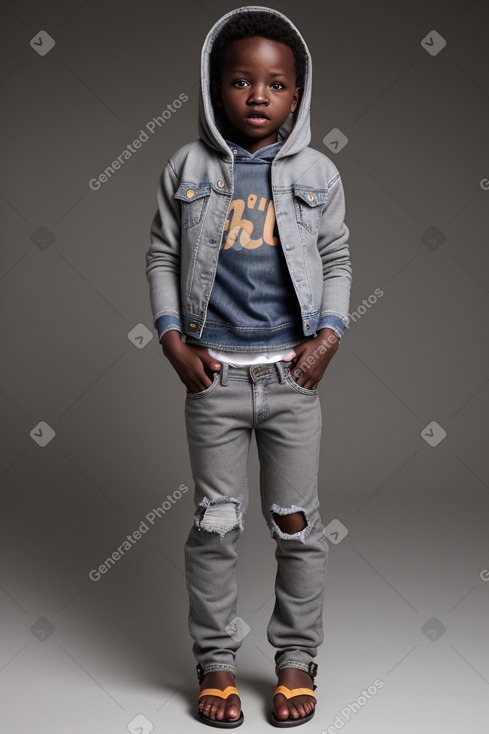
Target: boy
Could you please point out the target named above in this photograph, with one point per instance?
(250, 278)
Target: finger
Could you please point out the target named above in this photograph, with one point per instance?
(198, 385)
(205, 381)
(310, 382)
(288, 357)
(206, 358)
(214, 365)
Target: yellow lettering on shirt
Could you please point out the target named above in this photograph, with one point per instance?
(241, 230)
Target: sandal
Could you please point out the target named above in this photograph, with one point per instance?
(290, 693)
(220, 723)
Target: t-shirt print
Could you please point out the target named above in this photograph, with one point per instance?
(240, 232)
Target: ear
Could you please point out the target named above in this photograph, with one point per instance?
(296, 99)
(216, 94)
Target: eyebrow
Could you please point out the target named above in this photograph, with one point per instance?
(271, 73)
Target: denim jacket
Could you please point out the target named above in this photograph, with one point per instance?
(195, 191)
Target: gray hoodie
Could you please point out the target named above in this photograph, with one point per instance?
(195, 192)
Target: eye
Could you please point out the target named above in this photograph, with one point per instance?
(240, 83)
(277, 86)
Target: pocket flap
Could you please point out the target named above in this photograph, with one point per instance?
(311, 197)
(188, 191)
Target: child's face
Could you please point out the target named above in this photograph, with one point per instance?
(258, 90)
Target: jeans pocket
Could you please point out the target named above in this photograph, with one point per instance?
(295, 385)
(208, 390)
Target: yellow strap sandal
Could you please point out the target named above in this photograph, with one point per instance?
(220, 693)
(290, 693)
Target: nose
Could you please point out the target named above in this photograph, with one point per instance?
(258, 94)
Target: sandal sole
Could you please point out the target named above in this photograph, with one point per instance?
(221, 724)
(290, 722)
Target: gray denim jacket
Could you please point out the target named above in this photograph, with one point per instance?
(195, 191)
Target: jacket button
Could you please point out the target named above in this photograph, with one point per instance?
(192, 325)
(220, 184)
(309, 196)
(190, 193)
(307, 326)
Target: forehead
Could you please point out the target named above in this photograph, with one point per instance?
(259, 51)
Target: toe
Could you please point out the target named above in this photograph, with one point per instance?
(232, 712)
(294, 712)
(285, 709)
(281, 708)
(282, 713)
(233, 707)
(208, 707)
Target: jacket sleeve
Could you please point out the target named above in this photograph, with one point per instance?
(335, 256)
(163, 256)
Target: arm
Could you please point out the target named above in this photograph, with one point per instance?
(163, 274)
(163, 256)
(335, 256)
(314, 355)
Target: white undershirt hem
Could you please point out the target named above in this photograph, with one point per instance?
(238, 359)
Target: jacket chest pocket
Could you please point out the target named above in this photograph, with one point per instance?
(308, 207)
(194, 199)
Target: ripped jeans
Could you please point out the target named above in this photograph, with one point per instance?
(287, 422)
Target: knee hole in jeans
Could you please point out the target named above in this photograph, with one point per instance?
(289, 523)
(219, 516)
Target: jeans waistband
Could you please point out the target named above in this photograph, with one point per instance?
(254, 372)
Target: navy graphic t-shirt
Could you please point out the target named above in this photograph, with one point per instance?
(253, 304)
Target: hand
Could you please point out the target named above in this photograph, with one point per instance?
(188, 361)
(313, 356)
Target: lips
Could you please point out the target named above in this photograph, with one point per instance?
(257, 119)
(257, 116)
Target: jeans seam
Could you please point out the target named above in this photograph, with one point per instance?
(293, 664)
(212, 668)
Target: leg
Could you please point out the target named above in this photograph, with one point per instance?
(288, 444)
(218, 440)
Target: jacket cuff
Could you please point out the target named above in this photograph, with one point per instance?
(332, 322)
(165, 323)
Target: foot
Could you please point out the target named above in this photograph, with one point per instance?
(220, 709)
(298, 706)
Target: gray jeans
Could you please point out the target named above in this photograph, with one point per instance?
(287, 422)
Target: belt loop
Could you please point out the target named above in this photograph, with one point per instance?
(224, 373)
(280, 372)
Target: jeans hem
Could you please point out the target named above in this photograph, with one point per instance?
(292, 664)
(217, 666)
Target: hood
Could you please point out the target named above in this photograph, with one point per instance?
(296, 131)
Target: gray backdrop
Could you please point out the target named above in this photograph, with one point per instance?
(93, 436)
